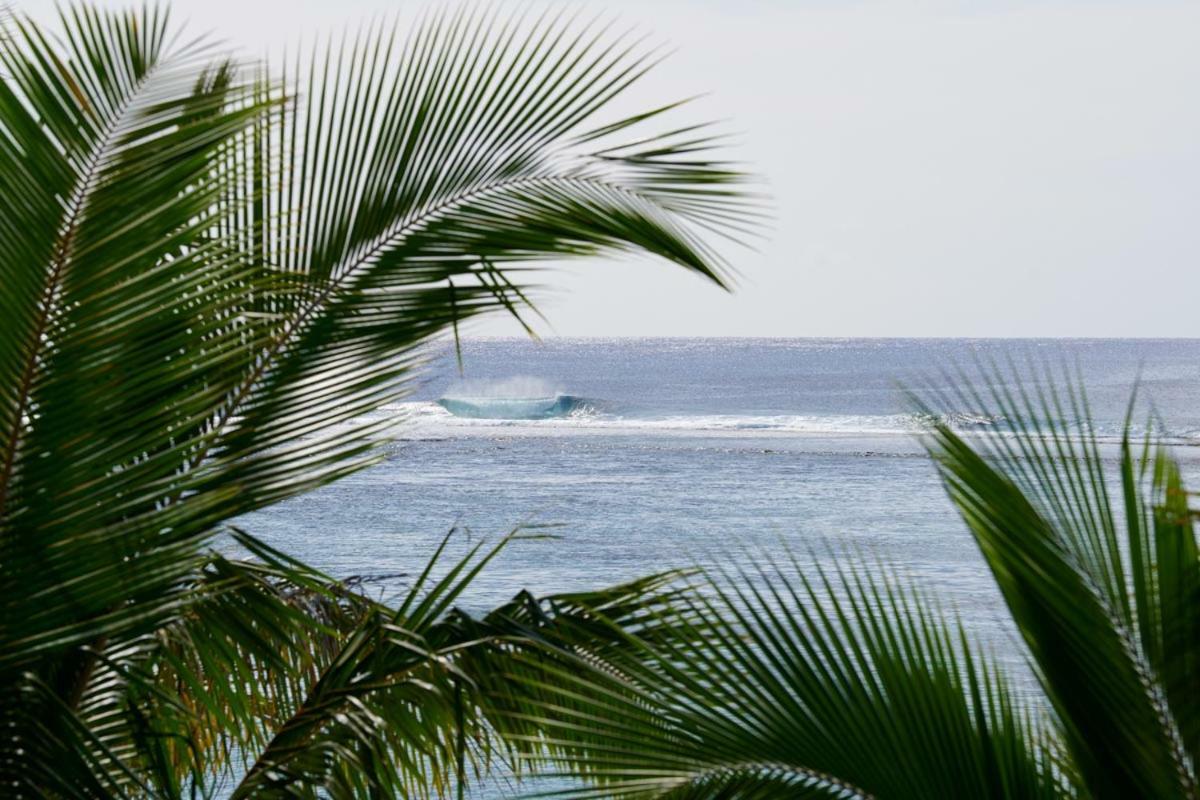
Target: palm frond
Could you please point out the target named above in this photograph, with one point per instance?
(1111, 628)
(206, 273)
(108, 256)
(426, 698)
(411, 179)
(768, 684)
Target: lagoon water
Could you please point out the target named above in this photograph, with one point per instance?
(675, 452)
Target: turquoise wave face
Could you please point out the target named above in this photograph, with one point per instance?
(512, 407)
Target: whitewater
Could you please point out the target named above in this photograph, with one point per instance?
(570, 415)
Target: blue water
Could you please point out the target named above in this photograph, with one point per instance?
(709, 451)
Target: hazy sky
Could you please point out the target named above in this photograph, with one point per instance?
(938, 168)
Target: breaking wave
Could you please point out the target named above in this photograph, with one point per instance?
(513, 408)
(514, 399)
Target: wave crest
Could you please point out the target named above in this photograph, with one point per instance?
(514, 408)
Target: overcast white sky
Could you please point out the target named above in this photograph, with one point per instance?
(938, 168)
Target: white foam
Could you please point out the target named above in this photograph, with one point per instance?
(430, 419)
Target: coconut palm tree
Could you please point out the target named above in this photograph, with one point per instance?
(207, 269)
(848, 682)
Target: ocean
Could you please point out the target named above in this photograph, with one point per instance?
(661, 453)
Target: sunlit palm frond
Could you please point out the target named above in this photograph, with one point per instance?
(414, 176)
(847, 685)
(106, 251)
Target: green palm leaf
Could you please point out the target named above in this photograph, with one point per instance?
(407, 197)
(1112, 629)
(426, 697)
(846, 687)
(108, 162)
(207, 271)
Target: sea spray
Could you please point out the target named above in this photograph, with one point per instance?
(516, 387)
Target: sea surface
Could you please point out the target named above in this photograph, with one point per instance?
(661, 453)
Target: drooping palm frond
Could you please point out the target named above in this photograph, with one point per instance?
(107, 141)
(408, 184)
(1109, 614)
